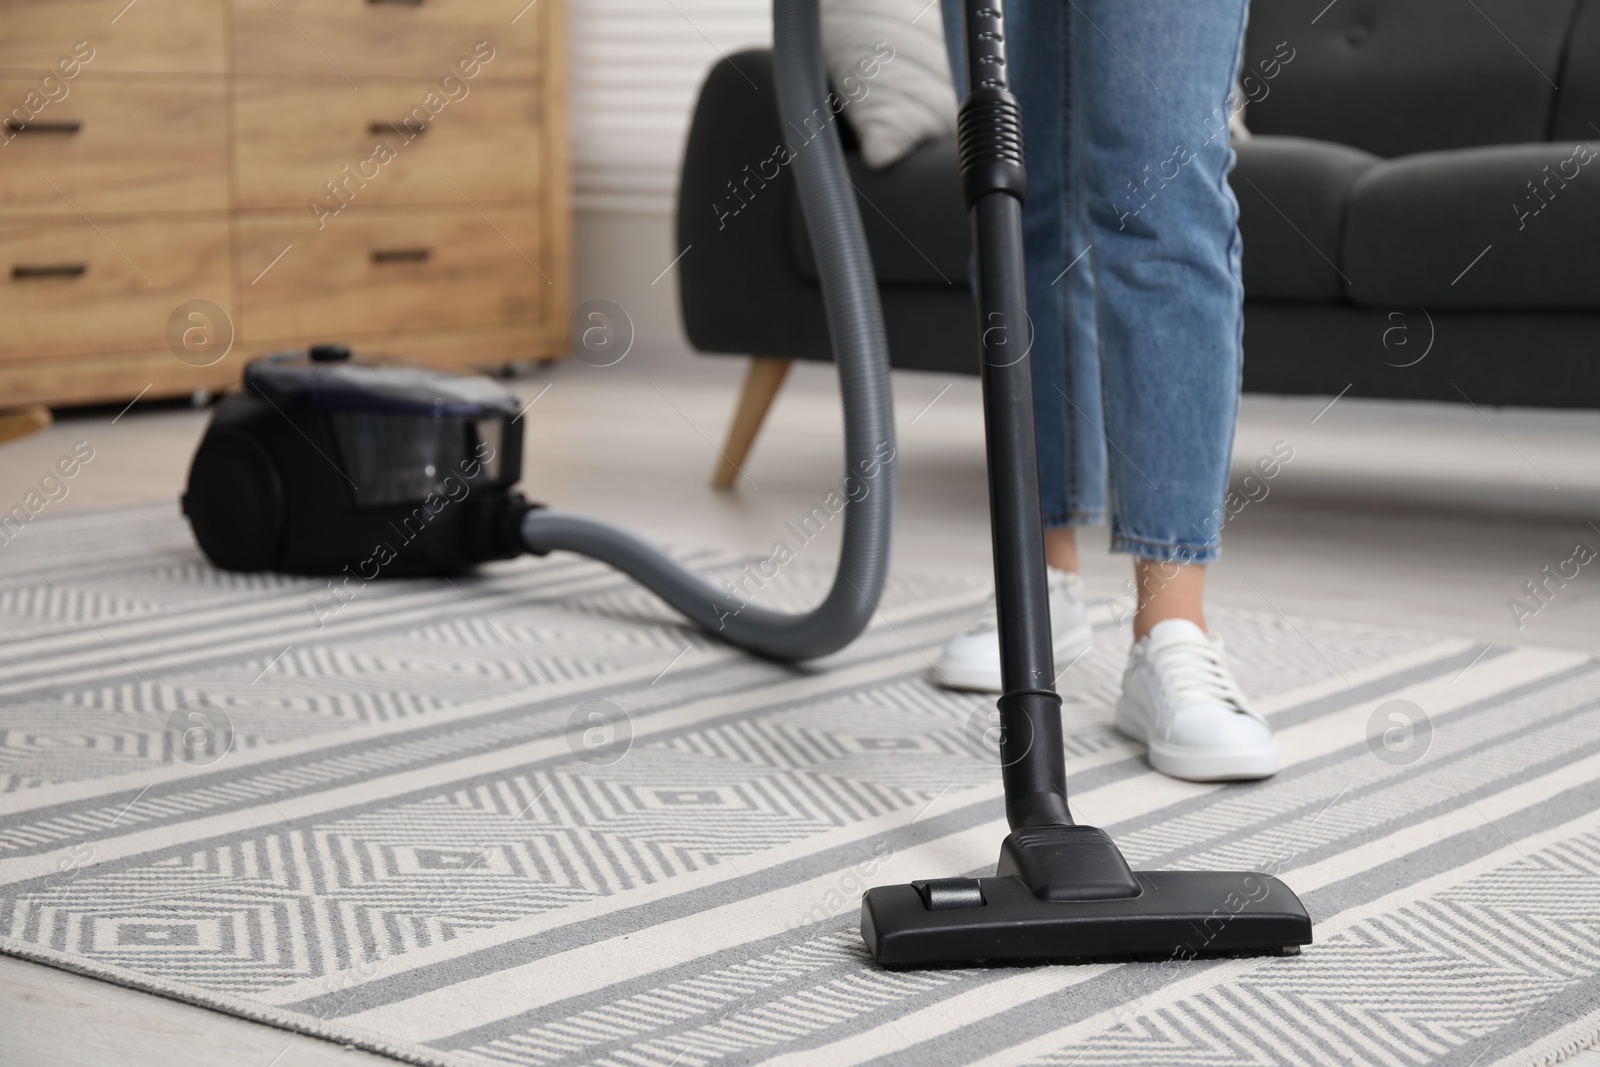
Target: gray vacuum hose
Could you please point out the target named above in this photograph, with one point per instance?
(861, 351)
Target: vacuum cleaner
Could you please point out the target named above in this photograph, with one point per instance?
(327, 464)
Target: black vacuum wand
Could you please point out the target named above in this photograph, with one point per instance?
(1061, 891)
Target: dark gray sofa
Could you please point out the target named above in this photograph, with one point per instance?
(1420, 207)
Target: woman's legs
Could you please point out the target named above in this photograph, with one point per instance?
(1169, 330)
(1133, 274)
(1166, 254)
(1168, 270)
(1132, 258)
(1133, 99)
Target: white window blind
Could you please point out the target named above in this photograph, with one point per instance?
(636, 68)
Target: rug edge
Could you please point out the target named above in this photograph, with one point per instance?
(227, 1004)
(1562, 1046)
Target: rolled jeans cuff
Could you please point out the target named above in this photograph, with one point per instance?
(1086, 517)
(1163, 551)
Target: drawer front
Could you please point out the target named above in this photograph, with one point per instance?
(115, 146)
(349, 41)
(381, 270)
(391, 143)
(73, 288)
(113, 377)
(457, 347)
(154, 36)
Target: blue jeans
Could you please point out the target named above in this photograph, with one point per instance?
(1132, 245)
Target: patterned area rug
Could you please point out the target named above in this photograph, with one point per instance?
(529, 818)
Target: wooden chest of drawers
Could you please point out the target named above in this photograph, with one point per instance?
(185, 184)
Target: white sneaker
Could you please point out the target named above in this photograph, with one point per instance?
(1182, 701)
(972, 660)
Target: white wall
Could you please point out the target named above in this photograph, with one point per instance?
(636, 68)
(617, 254)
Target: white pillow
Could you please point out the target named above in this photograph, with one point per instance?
(888, 62)
(1237, 131)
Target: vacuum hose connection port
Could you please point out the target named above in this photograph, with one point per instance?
(1067, 863)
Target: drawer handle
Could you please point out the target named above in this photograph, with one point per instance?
(67, 126)
(48, 270)
(401, 255)
(403, 128)
(403, 3)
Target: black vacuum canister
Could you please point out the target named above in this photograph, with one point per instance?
(324, 463)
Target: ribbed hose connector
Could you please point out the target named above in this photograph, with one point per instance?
(989, 144)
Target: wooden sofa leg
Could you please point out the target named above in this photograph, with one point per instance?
(761, 383)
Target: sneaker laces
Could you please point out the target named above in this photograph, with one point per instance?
(1194, 672)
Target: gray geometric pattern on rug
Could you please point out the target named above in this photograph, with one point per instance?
(400, 831)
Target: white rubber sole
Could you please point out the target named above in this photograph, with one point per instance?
(1198, 765)
(976, 675)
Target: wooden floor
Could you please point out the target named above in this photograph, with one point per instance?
(1410, 515)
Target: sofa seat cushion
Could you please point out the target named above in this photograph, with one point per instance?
(915, 221)
(1292, 193)
(1506, 227)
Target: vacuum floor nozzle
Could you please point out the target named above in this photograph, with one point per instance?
(1064, 893)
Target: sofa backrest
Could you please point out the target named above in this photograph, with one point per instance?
(1400, 76)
